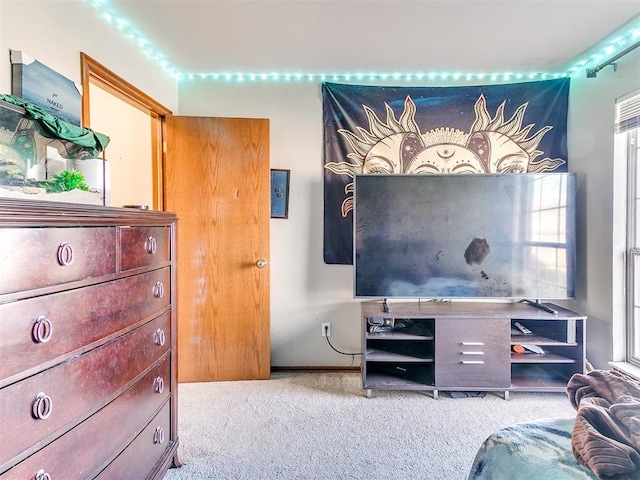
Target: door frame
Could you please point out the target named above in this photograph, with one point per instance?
(92, 71)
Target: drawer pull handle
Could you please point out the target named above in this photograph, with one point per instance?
(42, 406)
(472, 362)
(158, 385)
(152, 245)
(42, 329)
(472, 344)
(158, 290)
(158, 435)
(159, 337)
(42, 475)
(472, 353)
(65, 254)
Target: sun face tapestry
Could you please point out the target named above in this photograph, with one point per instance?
(511, 128)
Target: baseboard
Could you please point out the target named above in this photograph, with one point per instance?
(319, 369)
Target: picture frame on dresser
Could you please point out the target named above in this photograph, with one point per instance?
(43, 86)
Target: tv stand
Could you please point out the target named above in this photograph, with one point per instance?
(538, 304)
(470, 346)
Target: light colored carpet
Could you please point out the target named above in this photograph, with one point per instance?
(315, 426)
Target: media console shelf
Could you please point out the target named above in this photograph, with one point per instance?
(469, 346)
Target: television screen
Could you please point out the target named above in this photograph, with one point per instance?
(465, 236)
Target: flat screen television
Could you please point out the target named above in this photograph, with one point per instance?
(507, 236)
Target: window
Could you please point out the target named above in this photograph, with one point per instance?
(628, 126)
(547, 239)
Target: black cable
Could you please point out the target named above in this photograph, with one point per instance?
(335, 349)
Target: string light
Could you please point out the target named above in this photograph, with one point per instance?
(616, 45)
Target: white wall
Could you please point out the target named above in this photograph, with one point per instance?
(304, 291)
(128, 152)
(601, 207)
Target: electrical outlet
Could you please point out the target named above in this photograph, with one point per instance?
(326, 329)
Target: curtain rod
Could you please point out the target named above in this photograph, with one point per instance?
(592, 72)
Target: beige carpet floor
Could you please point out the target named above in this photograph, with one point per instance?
(316, 426)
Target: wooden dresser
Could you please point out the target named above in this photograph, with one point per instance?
(87, 342)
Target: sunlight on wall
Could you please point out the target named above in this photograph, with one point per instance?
(129, 152)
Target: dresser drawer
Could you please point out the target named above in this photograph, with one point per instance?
(143, 454)
(144, 246)
(38, 330)
(73, 390)
(101, 435)
(472, 353)
(39, 257)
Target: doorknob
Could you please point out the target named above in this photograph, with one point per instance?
(261, 263)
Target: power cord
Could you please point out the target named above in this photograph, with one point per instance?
(326, 331)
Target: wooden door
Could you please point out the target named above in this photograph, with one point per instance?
(217, 181)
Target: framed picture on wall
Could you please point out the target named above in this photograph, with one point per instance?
(279, 193)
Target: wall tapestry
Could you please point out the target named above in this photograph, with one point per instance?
(511, 128)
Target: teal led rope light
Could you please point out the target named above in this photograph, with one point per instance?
(615, 47)
(239, 77)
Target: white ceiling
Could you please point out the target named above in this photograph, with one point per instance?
(334, 36)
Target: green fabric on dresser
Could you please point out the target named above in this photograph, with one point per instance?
(92, 142)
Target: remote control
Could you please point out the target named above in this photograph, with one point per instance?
(523, 329)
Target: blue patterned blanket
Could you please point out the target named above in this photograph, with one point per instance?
(530, 451)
